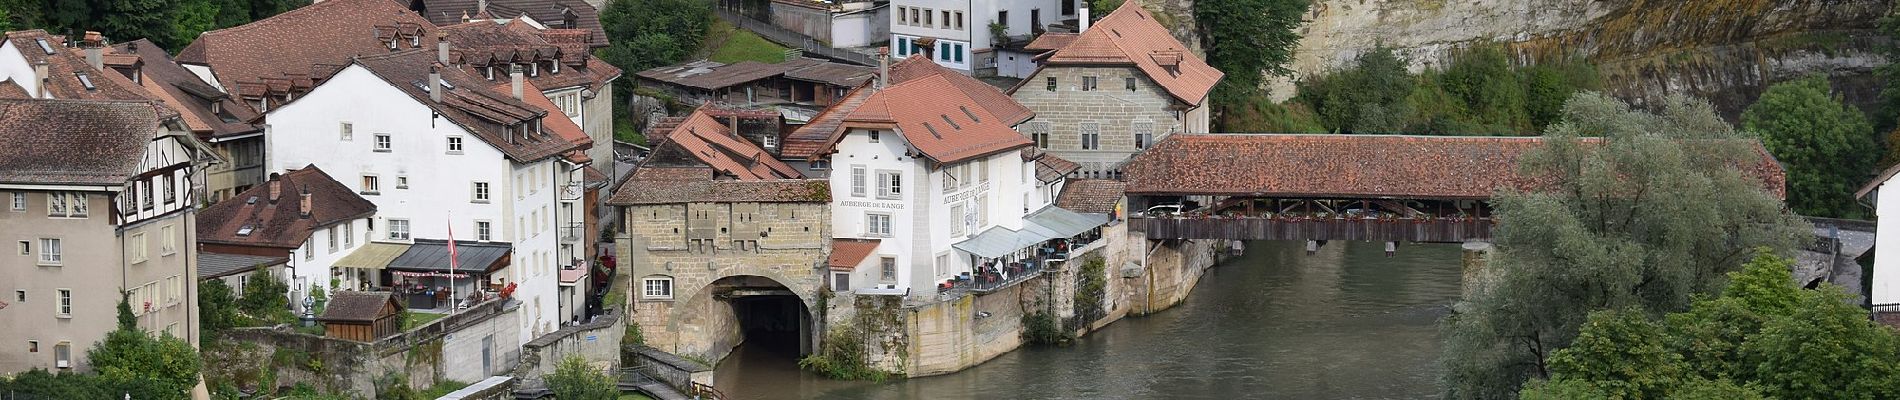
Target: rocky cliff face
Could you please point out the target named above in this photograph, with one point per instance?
(1727, 51)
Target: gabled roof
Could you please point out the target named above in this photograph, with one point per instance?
(252, 218)
(550, 13)
(76, 142)
(355, 306)
(560, 125)
(481, 44)
(468, 101)
(815, 135)
(12, 90)
(1090, 195)
(1878, 180)
(66, 66)
(938, 119)
(1130, 36)
(708, 75)
(702, 140)
(192, 97)
(998, 103)
(293, 50)
(1050, 41)
(846, 254)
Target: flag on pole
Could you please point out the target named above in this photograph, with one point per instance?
(452, 298)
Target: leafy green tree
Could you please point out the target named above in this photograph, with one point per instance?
(266, 299)
(1644, 218)
(1621, 354)
(1547, 86)
(1827, 145)
(167, 364)
(190, 18)
(1367, 98)
(217, 309)
(1482, 79)
(574, 379)
(653, 33)
(1246, 39)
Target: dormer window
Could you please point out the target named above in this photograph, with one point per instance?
(415, 41)
(489, 72)
(392, 43)
(554, 67)
(85, 79)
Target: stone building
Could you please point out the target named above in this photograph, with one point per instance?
(1114, 89)
(99, 198)
(724, 244)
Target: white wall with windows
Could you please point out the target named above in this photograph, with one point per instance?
(964, 26)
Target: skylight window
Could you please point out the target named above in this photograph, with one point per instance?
(86, 80)
(48, 48)
(245, 230)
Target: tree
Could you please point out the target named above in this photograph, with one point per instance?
(1644, 218)
(217, 309)
(266, 299)
(1828, 145)
(167, 365)
(1788, 343)
(574, 379)
(1367, 98)
(1482, 79)
(653, 33)
(1246, 39)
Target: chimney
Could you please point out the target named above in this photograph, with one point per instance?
(883, 66)
(276, 188)
(1082, 24)
(303, 205)
(514, 80)
(39, 79)
(442, 47)
(95, 50)
(481, 6)
(435, 84)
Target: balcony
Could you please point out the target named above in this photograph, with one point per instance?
(573, 232)
(572, 191)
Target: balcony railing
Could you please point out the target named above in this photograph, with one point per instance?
(572, 191)
(573, 232)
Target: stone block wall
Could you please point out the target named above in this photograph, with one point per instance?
(1111, 105)
(598, 342)
(698, 244)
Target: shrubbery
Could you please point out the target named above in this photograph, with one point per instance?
(1479, 93)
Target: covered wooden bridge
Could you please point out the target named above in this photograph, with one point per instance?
(1391, 188)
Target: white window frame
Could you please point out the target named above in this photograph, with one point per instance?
(455, 144)
(346, 131)
(19, 202)
(484, 230)
(168, 240)
(309, 249)
(136, 242)
(887, 269)
(859, 179)
(656, 288)
(50, 252)
(349, 234)
(874, 135)
(399, 229)
(402, 181)
(330, 234)
(877, 224)
(63, 303)
(480, 192)
(840, 281)
(372, 184)
(384, 143)
(890, 184)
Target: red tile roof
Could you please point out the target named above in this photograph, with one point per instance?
(938, 119)
(808, 139)
(65, 66)
(1090, 195)
(1050, 41)
(998, 103)
(183, 91)
(1130, 36)
(289, 50)
(1049, 168)
(76, 142)
(702, 140)
(12, 90)
(471, 103)
(846, 254)
(556, 121)
(550, 13)
(252, 218)
(1347, 166)
(475, 46)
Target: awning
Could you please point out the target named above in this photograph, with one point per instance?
(1064, 223)
(433, 256)
(998, 241)
(372, 256)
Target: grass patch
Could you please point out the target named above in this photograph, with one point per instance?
(730, 44)
(416, 319)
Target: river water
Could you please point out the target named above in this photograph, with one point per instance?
(1346, 322)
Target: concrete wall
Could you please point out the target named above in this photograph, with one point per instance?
(813, 21)
(598, 342)
(698, 244)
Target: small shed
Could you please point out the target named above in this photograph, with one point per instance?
(361, 316)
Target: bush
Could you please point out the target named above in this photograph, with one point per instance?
(265, 300)
(1479, 92)
(573, 379)
(1041, 328)
(842, 356)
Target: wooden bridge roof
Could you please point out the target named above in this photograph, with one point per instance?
(1347, 166)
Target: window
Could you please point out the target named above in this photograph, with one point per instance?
(76, 205)
(890, 184)
(25, 247)
(1088, 83)
(382, 142)
(657, 288)
(1144, 134)
(957, 49)
(840, 281)
(172, 290)
(946, 18)
(49, 251)
(371, 185)
(928, 21)
(1129, 83)
(168, 240)
(455, 145)
(570, 103)
(32, 346)
(820, 165)
(65, 304)
(887, 269)
(480, 194)
(857, 181)
(19, 296)
(1039, 132)
(874, 136)
(19, 201)
(1002, 17)
(1051, 83)
(331, 234)
(959, 224)
(943, 51)
(1091, 136)
(768, 141)
(983, 211)
(398, 229)
(55, 204)
(171, 189)
(309, 250)
(483, 231)
(402, 181)
(86, 80)
(136, 246)
(877, 224)
(145, 195)
(959, 20)
(346, 131)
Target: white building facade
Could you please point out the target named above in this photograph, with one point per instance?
(957, 33)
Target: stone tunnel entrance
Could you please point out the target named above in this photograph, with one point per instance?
(771, 318)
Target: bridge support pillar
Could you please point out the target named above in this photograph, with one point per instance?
(1476, 256)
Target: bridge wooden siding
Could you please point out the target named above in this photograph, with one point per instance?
(1445, 230)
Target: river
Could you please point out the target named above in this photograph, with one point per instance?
(1346, 322)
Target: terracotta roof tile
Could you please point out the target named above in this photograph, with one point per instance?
(302, 41)
(476, 46)
(550, 13)
(938, 119)
(1050, 168)
(1050, 41)
(808, 139)
(1348, 166)
(556, 121)
(12, 90)
(65, 67)
(706, 75)
(664, 185)
(1129, 35)
(834, 74)
(470, 103)
(702, 140)
(192, 97)
(1090, 195)
(846, 254)
(998, 103)
(252, 218)
(83, 142)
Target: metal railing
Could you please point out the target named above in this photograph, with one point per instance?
(789, 38)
